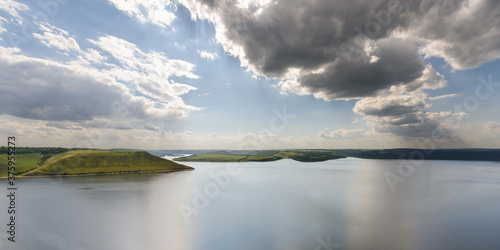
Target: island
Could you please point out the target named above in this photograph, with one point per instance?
(33, 162)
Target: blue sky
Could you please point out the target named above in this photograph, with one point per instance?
(250, 74)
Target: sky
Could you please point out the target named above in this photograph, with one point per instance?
(250, 74)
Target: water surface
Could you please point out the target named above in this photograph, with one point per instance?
(338, 204)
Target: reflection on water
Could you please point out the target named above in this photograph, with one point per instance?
(339, 204)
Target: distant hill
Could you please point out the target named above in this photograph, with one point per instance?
(305, 155)
(83, 162)
(466, 154)
(313, 155)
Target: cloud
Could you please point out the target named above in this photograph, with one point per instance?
(154, 12)
(54, 37)
(42, 89)
(13, 8)
(151, 127)
(342, 134)
(465, 33)
(180, 46)
(404, 114)
(93, 56)
(148, 71)
(2, 29)
(324, 39)
(402, 110)
(305, 39)
(105, 124)
(443, 97)
(398, 63)
(63, 125)
(114, 80)
(102, 124)
(207, 55)
(372, 51)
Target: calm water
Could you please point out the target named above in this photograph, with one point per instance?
(340, 204)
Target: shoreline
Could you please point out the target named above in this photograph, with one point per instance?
(97, 174)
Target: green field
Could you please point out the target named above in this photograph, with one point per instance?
(212, 158)
(265, 155)
(24, 163)
(101, 162)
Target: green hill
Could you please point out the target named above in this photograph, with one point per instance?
(24, 163)
(265, 155)
(84, 162)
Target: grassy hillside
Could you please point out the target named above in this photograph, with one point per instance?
(24, 163)
(265, 155)
(101, 162)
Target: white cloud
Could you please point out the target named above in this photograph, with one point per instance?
(150, 72)
(439, 97)
(154, 12)
(57, 38)
(94, 56)
(180, 46)
(207, 55)
(13, 8)
(342, 134)
(47, 90)
(2, 29)
(133, 58)
(100, 134)
(114, 70)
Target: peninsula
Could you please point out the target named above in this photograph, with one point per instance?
(89, 162)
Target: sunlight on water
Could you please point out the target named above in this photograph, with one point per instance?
(339, 204)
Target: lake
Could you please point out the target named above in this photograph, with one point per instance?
(340, 204)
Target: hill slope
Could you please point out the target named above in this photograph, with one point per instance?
(265, 155)
(102, 162)
(24, 163)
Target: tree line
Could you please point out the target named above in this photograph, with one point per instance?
(39, 150)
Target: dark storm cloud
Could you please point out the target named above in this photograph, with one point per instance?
(331, 35)
(301, 34)
(404, 114)
(310, 35)
(465, 33)
(399, 62)
(350, 49)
